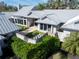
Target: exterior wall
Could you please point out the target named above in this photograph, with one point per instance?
(20, 36)
(29, 22)
(40, 29)
(63, 35)
(29, 40)
(33, 40)
(19, 23)
(52, 31)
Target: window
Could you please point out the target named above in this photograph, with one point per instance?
(41, 26)
(20, 21)
(12, 20)
(36, 24)
(45, 27)
(60, 30)
(24, 22)
(77, 22)
(16, 21)
(49, 27)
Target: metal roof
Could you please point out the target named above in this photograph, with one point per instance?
(24, 11)
(55, 17)
(36, 14)
(6, 26)
(72, 24)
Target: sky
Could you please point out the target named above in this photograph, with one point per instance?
(23, 2)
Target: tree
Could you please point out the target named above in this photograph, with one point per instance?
(71, 43)
(41, 50)
(73, 4)
(40, 6)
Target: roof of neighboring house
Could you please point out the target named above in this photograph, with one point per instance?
(1, 37)
(6, 26)
(56, 17)
(9, 14)
(24, 11)
(72, 25)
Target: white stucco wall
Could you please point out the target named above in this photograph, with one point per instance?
(29, 40)
(20, 36)
(63, 35)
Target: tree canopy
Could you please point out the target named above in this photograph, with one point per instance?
(41, 50)
(71, 43)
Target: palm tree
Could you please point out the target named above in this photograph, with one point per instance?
(71, 43)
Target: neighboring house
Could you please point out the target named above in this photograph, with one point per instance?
(19, 17)
(7, 28)
(51, 21)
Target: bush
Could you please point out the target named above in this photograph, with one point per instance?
(41, 50)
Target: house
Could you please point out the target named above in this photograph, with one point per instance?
(19, 17)
(7, 29)
(55, 22)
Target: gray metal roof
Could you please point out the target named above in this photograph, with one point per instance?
(1, 37)
(72, 24)
(6, 26)
(24, 11)
(71, 27)
(36, 14)
(58, 16)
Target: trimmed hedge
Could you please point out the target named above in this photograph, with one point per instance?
(41, 50)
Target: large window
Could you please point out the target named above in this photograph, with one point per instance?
(36, 24)
(24, 22)
(20, 21)
(16, 21)
(41, 26)
(49, 27)
(45, 27)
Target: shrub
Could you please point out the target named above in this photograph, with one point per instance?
(71, 43)
(41, 50)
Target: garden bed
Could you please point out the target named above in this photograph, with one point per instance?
(33, 34)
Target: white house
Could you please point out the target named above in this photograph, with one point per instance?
(55, 22)
(19, 17)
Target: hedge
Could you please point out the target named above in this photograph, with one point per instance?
(41, 50)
